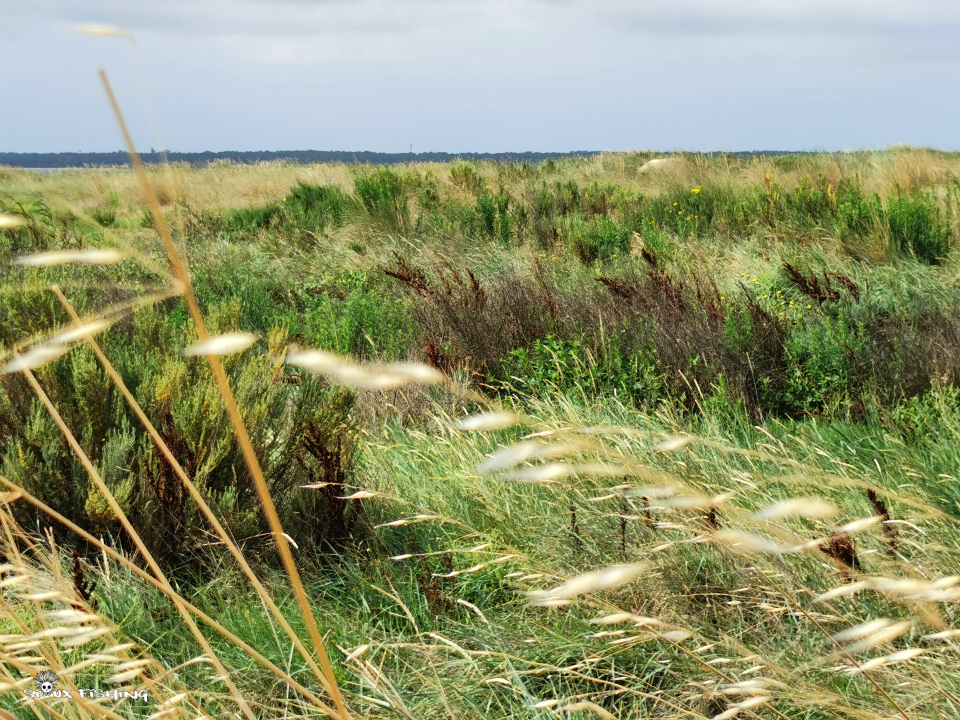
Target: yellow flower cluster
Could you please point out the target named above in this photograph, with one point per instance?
(783, 305)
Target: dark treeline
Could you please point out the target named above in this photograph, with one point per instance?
(81, 159)
(78, 159)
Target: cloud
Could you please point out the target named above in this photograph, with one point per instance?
(850, 18)
(493, 74)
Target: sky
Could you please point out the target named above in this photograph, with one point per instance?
(482, 75)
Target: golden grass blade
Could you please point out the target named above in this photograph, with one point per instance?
(194, 492)
(243, 438)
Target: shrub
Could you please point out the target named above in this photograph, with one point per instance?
(596, 239)
(494, 216)
(466, 177)
(255, 218)
(916, 228)
(365, 324)
(857, 214)
(384, 196)
(105, 216)
(823, 374)
(552, 365)
(317, 207)
(480, 323)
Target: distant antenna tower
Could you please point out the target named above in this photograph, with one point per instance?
(411, 148)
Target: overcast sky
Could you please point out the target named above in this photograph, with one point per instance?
(483, 75)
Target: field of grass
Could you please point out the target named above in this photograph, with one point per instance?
(621, 437)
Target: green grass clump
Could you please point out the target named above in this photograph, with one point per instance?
(917, 229)
(384, 194)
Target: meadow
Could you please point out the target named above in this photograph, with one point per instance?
(626, 436)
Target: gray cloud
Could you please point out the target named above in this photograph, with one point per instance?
(488, 74)
(851, 18)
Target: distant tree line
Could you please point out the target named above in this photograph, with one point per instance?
(79, 159)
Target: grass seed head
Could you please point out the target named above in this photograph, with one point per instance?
(99, 30)
(488, 421)
(80, 332)
(226, 344)
(673, 443)
(34, 358)
(802, 507)
(93, 256)
(590, 582)
(858, 525)
(10, 221)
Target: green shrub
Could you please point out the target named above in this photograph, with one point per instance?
(823, 374)
(916, 228)
(596, 239)
(684, 211)
(317, 207)
(554, 365)
(857, 213)
(494, 217)
(255, 218)
(38, 232)
(383, 194)
(105, 216)
(466, 177)
(365, 324)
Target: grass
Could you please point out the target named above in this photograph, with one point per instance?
(747, 420)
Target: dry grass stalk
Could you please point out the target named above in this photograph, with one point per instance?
(253, 464)
(62, 631)
(170, 593)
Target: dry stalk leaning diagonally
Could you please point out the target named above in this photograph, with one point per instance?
(47, 571)
(169, 592)
(194, 493)
(243, 438)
